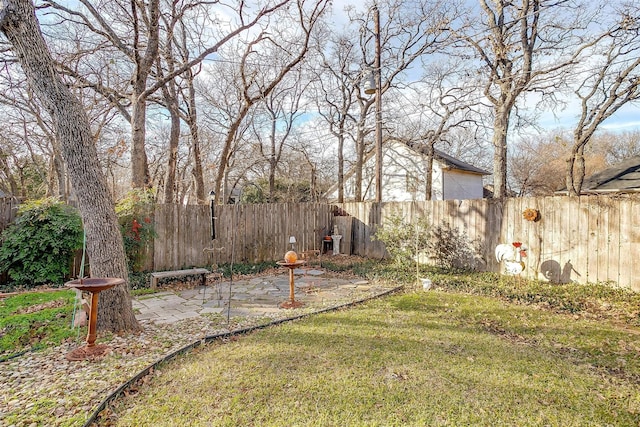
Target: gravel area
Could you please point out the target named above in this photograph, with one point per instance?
(44, 389)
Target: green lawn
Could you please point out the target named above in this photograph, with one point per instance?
(416, 359)
(35, 320)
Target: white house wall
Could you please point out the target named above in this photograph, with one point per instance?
(461, 185)
(399, 161)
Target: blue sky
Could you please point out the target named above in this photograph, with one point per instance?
(625, 119)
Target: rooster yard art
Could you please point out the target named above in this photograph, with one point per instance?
(512, 256)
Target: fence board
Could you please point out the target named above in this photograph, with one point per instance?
(603, 241)
(634, 251)
(613, 242)
(580, 259)
(626, 267)
(597, 221)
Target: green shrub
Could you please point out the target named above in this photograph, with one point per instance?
(135, 213)
(138, 280)
(39, 246)
(404, 241)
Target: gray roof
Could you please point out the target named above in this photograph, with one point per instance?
(448, 160)
(454, 163)
(624, 176)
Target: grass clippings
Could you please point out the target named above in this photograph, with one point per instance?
(414, 359)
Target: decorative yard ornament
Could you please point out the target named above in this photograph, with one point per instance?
(531, 215)
(511, 255)
(291, 257)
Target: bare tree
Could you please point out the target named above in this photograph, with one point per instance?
(104, 244)
(522, 45)
(444, 104)
(617, 146)
(143, 20)
(281, 109)
(337, 87)
(611, 81)
(408, 31)
(258, 83)
(538, 163)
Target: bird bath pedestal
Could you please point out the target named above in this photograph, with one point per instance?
(94, 285)
(291, 303)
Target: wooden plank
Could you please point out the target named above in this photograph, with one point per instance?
(613, 241)
(626, 235)
(156, 276)
(551, 261)
(578, 219)
(594, 233)
(603, 239)
(634, 250)
(570, 235)
(531, 239)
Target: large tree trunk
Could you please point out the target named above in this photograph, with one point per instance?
(576, 170)
(192, 120)
(104, 243)
(139, 162)
(428, 175)
(171, 101)
(500, 129)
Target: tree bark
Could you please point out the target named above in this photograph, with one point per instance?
(143, 64)
(174, 142)
(340, 165)
(104, 242)
(428, 189)
(500, 129)
(192, 121)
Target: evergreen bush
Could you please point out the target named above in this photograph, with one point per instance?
(39, 246)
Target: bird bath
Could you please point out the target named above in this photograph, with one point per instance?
(291, 303)
(94, 285)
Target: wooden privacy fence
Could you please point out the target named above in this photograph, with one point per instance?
(577, 239)
(581, 239)
(251, 233)
(8, 211)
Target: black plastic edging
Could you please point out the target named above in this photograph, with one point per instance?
(207, 339)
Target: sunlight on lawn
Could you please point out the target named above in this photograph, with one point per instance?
(416, 359)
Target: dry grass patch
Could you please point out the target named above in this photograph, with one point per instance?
(407, 360)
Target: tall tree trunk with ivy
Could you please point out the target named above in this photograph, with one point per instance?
(104, 242)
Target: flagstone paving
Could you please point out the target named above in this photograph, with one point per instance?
(255, 296)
